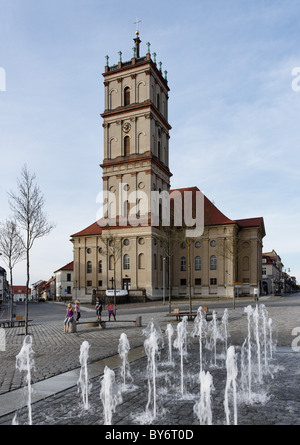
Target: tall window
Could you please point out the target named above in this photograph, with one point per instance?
(183, 263)
(89, 267)
(100, 266)
(126, 262)
(213, 262)
(126, 146)
(198, 263)
(127, 96)
(111, 262)
(141, 261)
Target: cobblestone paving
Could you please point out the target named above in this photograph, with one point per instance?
(56, 352)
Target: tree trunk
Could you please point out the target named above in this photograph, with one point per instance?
(11, 295)
(26, 298)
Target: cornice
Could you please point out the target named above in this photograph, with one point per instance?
(129, 109)
(132, 159)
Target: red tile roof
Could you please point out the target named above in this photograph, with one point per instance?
(69, 266)
(212, 217)
(21, 290)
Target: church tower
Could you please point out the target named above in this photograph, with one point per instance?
(136, 133)
(136, 162)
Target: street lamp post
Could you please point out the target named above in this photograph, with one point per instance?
(164, 280)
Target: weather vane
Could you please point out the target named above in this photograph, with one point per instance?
(137, 25)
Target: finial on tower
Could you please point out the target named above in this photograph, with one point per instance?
(137, 26)
(137, 40)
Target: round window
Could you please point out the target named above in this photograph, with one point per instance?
(213, 243)
(126, 242)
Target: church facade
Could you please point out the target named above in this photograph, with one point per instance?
(135, 245)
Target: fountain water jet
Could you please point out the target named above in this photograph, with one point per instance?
(25, 362)
(83, 381)
(225, 331)
(203, 408)
(109, 395)
(180, 343)
(232, 372)
(200, 328)
(123, 350)
(249, 312)
(170, 332)
(257, 339)
(151, 345)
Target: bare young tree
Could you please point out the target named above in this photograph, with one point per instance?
(170, 238)
(112, 248)
(12, 250)
(27, 205)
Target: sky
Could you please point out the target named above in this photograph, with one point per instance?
(234, 107)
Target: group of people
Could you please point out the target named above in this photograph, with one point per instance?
(71, 313)
(110, 308)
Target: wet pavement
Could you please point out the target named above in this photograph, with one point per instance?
(56, 400)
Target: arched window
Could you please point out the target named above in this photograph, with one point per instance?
(126, 209)
(126, 262)
(141, 261)
(198, 263)
(89, 267)
(126, 146)
(100, 266)
(246, 263)
(126, 96)
(111, 262)
(213, 262)
(183, 263)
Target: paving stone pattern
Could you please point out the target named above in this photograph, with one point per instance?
(57, 352)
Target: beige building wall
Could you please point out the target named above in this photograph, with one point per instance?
(135, 164)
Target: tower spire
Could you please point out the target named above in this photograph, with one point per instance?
(137, 40)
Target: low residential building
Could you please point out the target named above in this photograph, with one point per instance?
(20, 293)
(271, 273)
(64, 282)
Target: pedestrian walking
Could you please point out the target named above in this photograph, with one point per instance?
(98, 308)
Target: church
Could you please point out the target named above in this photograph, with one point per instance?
(142, 243)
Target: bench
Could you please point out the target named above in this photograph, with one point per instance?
(189, 315)
(102, 324)
(7, 323)
(137, 322)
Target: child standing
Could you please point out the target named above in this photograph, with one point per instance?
(77, 310)
(111, 311)
(98, 308)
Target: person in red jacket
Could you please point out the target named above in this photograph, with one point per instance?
(111, 311)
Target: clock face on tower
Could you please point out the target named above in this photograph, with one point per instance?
(126, 127)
